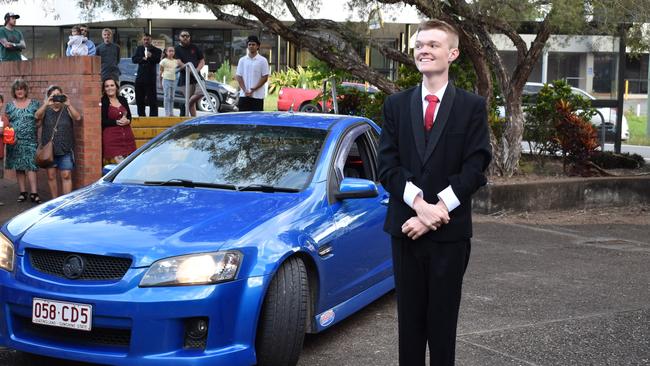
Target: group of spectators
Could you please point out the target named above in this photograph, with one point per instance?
(35, 122)
(54, 117)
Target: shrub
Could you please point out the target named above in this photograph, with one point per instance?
(611, 160)
(576, 137)
(223, 73)
(294, 78)
(541, 116)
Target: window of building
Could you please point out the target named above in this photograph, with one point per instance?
(605, 73)
(565, 66)
(636, 74)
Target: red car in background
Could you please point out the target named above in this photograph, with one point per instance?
(311, 100)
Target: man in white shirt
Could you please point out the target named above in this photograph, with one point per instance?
(252, 75)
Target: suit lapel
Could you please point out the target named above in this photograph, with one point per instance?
(417, 121)
(441, 120)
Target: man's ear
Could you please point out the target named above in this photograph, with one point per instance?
(453, 54)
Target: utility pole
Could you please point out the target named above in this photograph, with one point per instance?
(647, 110)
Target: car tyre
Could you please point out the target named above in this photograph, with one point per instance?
(128, 92)
(310, 108)
(283, 319)
(204, 106)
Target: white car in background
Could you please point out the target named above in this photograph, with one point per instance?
(608, 114)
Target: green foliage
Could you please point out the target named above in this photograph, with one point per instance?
(542, 114)
(295, 78)
(223, 73)
(408, 77)
(611, 160)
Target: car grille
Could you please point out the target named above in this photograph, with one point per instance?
(97, 267)
(111, 337)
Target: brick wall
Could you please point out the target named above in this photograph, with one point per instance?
(80, 79)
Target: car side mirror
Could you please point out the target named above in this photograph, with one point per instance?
(108, 168)
(356, 188)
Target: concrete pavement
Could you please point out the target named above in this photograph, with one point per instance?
(553, 288)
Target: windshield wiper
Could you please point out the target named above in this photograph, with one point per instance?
(176, 182)
(266, 188)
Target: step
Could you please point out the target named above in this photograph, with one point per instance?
(157, 121)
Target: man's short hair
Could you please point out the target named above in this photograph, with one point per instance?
(254, 39)
(146, 35)
(19, 84)
(109, 30)
(443, 26)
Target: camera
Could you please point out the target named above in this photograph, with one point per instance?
(59, 98)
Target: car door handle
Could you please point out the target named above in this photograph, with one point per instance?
(385, 200)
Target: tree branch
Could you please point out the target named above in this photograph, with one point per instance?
(293, 10)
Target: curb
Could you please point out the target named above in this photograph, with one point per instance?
(584, 193)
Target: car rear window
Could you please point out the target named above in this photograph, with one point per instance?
(240, 155)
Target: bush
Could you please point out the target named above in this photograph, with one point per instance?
(611, 160)
(223, 73)
(540, 126)
(576, 137)
(294, 78)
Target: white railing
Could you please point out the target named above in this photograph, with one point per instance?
(189, 68)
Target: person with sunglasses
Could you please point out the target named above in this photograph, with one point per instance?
(186, 51)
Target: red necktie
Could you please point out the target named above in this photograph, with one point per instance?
(431, 109)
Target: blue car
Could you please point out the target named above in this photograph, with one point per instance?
(220, 242)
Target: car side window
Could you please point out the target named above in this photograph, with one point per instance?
(356, 157)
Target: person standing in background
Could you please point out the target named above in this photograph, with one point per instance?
(168, 66)
(252, 75)
(147, 56)
(186, 51)
(21, 155)
(12, 42)
(110, 54)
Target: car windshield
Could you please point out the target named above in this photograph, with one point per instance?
(239, 157)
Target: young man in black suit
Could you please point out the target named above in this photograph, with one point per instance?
(433, 151)
(147, 57)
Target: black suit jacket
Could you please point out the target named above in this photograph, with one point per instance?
(147, 68)
(456, 152)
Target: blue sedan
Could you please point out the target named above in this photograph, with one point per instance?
(221, 242)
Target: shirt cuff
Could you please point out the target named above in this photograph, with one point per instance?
(410, 192)
(448, 196)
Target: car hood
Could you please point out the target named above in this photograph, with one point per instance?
(150, 223)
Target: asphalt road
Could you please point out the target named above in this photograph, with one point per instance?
(570, 291)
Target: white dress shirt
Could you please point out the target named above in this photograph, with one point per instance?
(411, 191)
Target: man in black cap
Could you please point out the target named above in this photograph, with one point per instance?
(12, 42)
(252, 74)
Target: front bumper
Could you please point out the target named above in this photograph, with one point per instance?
(132, 325)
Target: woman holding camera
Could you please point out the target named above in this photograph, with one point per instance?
(20, 156)
(117, 137)
(57, 116)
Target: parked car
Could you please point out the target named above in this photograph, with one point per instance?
(310, 100)
(223, 95)
(220, 242)
(608, 114)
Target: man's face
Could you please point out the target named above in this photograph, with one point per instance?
(84, 31)
(433, 52)
(11, 21)
(146, 41)
(253, 48)
(107, 37)
(185, 38)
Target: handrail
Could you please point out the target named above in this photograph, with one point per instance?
(189, 67)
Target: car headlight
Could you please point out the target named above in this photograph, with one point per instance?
(6, 253)
(194, 269)
(229, 88)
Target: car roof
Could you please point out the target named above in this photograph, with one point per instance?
(319, 121)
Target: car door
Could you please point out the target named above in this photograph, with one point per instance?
(360, 253)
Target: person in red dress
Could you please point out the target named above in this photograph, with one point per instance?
(117, 137)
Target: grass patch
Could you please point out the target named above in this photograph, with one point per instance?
(638, 125)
